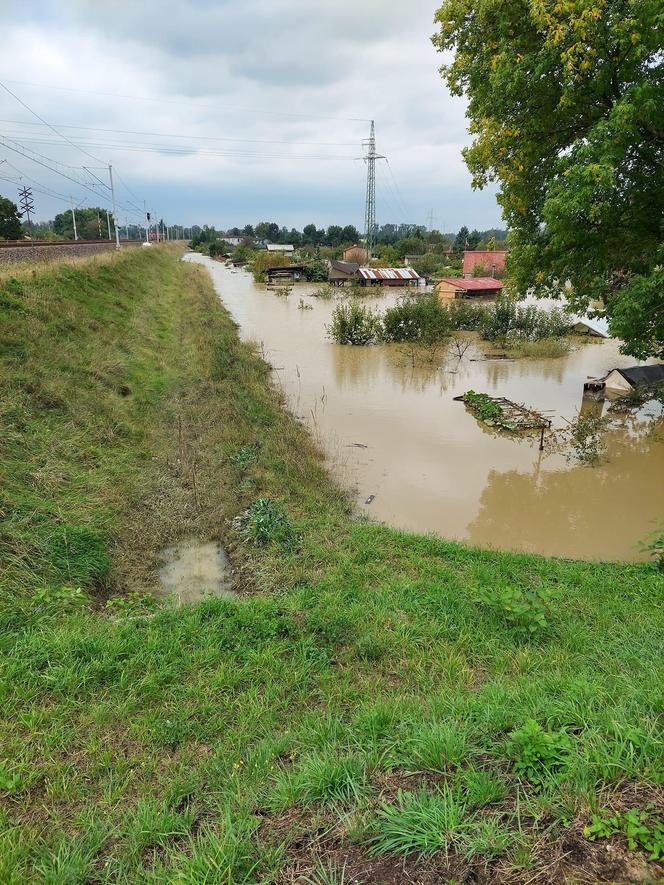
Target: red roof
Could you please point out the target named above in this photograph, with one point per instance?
(475, 284)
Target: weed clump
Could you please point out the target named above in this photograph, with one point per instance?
(537, 753)
(419, 823)
(265, 522)
(522, 610)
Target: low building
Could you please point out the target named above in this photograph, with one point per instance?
(596, 327)
(624, 380)
(232, 241)
(292, 272)
(388, 276)
(468, 287)
(356, 254)
(280, 247)
(485, 261)
(340, 272)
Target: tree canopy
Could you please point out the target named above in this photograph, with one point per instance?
(566, 106)
(10, 220)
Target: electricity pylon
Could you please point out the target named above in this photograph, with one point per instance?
(370, 210)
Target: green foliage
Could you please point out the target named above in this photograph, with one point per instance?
(487, 410)
(655, 548)
(508, 319)
(564, 103)
(10, 220)
(419, 823)
(436, 747)
(265, 522)
(524, 610)
(316, 271)
(641, 827)
(588, 439)
(354, 323)
(131, 604)
(537, 753)
(264, 260)
(421, 318)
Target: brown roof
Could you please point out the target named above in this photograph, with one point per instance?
(473, 284)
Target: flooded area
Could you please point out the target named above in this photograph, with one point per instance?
(393, 433)
(193, 569)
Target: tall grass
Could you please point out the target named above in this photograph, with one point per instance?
(361, 696)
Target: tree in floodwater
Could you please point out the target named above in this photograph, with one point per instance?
(566, 103)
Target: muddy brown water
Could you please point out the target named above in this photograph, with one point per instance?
(192, 569)
(392, 430)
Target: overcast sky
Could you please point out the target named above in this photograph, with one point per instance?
(236, 111)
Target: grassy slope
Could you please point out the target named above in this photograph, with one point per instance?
(239, 741)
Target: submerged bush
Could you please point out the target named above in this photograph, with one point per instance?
(508, 319)
(417, 319)
(353, 323)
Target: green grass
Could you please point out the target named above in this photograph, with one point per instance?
(361, 696)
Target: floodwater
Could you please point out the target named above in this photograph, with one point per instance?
(193, 569)
(392, 430)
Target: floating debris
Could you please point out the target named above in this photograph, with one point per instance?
(369, 499)
(503, 414)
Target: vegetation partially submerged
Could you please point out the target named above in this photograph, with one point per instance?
(379, 703)
(522, 330)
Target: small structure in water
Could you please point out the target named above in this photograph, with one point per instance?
(341, 272)
(461, 287)
(388, 276)
(619, 382)
(293, 272)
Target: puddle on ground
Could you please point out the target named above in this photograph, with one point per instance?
(418, 460)
(193, 569)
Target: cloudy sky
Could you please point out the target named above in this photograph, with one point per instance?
(229, 112)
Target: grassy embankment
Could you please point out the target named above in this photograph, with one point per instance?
(376, 696)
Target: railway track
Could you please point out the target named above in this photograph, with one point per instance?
(47, 244)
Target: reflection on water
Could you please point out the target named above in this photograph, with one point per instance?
(427, 461)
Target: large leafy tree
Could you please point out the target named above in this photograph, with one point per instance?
(10, 220)
(566, 106)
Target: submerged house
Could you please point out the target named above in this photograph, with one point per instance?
(624, 380)
(388, 276)
(621, 381)
(291, 272)
(340, 272)
(484, 261)
(461, 287)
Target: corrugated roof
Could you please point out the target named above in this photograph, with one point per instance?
(476, 284)
(278, 247)
(389, 273)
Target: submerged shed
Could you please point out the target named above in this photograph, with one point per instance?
(340, 272)
(389, 276)
(461, 287)
(635, 376)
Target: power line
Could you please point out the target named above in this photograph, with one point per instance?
(193, 137)
(52, 128)
(185, 150)
(190, 103)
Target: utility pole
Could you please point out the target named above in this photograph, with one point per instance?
(99, 222)
(370, 209)
(73, 217)
(147, 221)
(108, 224)
(115, 214)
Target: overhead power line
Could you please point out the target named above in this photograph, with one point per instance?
(192, 137)
(190, 103)
(46, 123)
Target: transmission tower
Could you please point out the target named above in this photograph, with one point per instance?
(27, 206)
(430, 218)
(370, 212)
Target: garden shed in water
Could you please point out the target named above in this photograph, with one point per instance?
(389, 276)
(459, 287)
(624, 380)
(340, 272)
